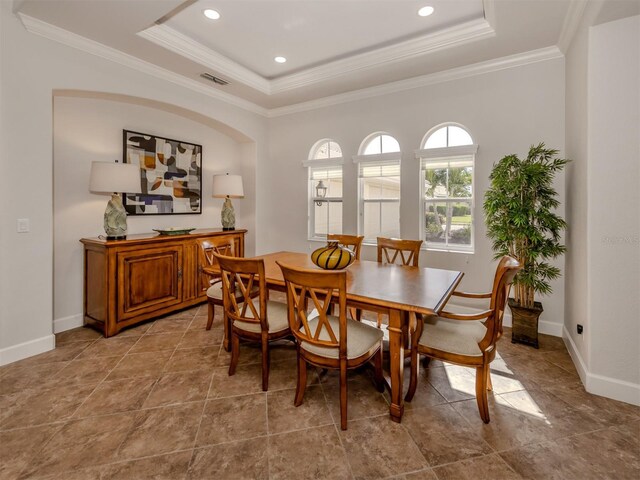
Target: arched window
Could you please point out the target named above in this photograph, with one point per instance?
(447, 159)
(379, 187)
(325, 188)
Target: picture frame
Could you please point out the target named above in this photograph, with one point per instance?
(170, 175)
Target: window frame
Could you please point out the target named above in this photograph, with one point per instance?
(382, 159)
(446, 154)
(315, 164)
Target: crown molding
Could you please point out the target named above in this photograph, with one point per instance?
(179, 43)
(571, 23)
(503, 63)
(92, 47)
(490, 12)
(378, 157)
(176, 42)
(386, 56)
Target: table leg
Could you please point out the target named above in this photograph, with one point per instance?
(396, 367)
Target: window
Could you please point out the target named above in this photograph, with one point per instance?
(325, 189)
(379, 187)
(447, 161)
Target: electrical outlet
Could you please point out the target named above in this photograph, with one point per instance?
(579, 328)
(23, 225)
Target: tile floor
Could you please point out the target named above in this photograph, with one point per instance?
(156, 402)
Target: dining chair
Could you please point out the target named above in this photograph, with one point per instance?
(391, 250)
(464, 339)
(325, 340)
(209, 247)
(352, 242)
(262, 323)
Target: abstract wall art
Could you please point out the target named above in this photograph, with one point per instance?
(170, 175)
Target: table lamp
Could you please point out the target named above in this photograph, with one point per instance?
(115, 178)
(228, 187)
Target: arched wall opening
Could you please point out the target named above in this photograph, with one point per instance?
(87, 126)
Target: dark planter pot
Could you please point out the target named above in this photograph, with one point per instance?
(524, 327)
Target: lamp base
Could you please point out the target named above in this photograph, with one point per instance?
(115, 219)
(228, 215)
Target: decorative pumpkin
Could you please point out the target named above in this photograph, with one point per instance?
(332, 256)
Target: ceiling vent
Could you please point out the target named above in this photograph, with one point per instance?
(214, 79)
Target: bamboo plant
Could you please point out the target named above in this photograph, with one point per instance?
(521, 220)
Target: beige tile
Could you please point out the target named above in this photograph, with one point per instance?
(363, 400)
(284, 375)
(248, 354)
(199, 322)
(386, 441)
(246, 459)
(285, 416)
(117, 396)
(489, 467)
(452, 382)
(80, 334)
(165, 325)
(188, 313)
(136, 331)
(157, 343)
(148, 364)
(313, 453)
(81, 370)
(421, 475)
(162, 430)
(442, 435)
(166, 467)
(179, 387)
(200, 358)
(18, 448)
(232, 419)
(109, 347)
(47, 406)
(202, 338)
(63, 353)
(81, 443)
(21, 377)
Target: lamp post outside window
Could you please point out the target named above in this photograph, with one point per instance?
(321, 192)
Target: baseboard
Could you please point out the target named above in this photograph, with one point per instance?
(67, 323)
(544, 326)
(27, 349)
(613, 388)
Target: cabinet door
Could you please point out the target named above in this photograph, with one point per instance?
(148, 280)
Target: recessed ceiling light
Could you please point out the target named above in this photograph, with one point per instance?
(280, 59)
(211, 14)
(425, 11)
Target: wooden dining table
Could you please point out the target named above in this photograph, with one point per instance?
(394, 290)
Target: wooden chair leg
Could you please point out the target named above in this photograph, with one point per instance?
(265, 364)
(226, 342)
(482, 374)
(489, 384)
(379, 320)
(379, 376)
(302, 381)
(413, 375)
(426, 361)
(343, 396)
(235, 353)
(211, 312)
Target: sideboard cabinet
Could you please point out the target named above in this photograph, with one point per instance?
(146, 276)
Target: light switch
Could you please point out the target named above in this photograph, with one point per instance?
(23, 225)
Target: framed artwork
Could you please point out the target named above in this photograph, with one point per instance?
(170, 175)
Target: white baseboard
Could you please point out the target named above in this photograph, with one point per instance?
(67, 323)
(27, 349)
(544, 326)
(598, 384)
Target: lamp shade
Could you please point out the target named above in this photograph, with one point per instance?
(227, 186)
(109, 177)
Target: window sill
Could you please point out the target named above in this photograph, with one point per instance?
(431, 248)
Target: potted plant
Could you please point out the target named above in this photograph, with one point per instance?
(521, 221)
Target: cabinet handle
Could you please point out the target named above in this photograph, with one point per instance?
(179, 273)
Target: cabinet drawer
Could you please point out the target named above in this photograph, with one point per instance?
(148, 280)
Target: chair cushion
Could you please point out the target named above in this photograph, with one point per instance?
(360, 338)
(454, 336)
(215, 291)
(276, 314)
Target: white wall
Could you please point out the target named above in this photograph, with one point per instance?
(86, 130)
(614, 199)
(32, 68)
(505, 112)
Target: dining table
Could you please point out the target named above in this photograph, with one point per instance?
(401, 292)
